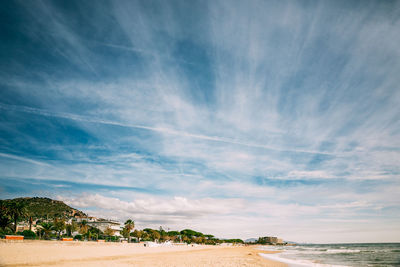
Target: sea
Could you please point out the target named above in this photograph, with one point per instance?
(335, 255)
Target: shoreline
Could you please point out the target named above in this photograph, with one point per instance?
(58, 253)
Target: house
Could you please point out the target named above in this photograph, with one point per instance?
(86, 218)
(102, 225)
(21, 226)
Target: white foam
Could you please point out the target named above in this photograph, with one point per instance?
(343, 251)
(297, 263)
(311, 250)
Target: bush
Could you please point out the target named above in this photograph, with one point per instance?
(29, 234)
(112, 238)
(78, 237)
(5, 231)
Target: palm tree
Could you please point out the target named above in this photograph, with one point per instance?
(5, 221)
(39, 231)
(30, 223)
(129, 225)
(16, 210)
(94, 233)
(125, 232)
(47, 228)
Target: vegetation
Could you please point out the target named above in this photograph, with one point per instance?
(78, 237)
(70, 228)
(28, 234)
(11, 211)
(46, 229)
(129, 226)
(44, 208)
(58, 226)
(83, 227)
(94, 233)
(109, 233)
(187, 236)
(5, 220)
(137, 234)
(53, 220)
(16, 211)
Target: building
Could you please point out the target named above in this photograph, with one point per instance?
(22, 226)
(102, 225)
(85, 218)
(271, 240)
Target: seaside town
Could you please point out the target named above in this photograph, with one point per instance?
(21, 219)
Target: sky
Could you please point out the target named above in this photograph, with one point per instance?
(233, 118)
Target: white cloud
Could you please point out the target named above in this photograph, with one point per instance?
(294, 94)
(150, 209)
(236, 217)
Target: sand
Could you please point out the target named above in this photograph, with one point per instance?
(57, 253)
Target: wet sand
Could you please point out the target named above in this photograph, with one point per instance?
(56, 253)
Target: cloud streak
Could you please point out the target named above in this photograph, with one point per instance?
(277, 112)
(161, 130)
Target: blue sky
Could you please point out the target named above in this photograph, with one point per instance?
(237, 118)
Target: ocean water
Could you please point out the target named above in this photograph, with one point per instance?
(384, 254)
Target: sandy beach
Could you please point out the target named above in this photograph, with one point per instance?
(55, 253)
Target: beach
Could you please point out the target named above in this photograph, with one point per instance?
(57, 253)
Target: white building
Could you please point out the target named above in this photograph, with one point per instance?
(102, 225)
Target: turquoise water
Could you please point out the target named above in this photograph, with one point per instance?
(383, 254)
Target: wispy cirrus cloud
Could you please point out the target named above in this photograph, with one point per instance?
(287, 107)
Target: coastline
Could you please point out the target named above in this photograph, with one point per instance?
(57, 253)
(337, 255)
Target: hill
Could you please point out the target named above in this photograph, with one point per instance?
(41, 207)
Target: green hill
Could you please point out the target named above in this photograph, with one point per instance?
(41, 207)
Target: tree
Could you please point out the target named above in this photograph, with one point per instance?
(94, 232)
(144, 235)
(5, 221)
(173, 238)
(39, 231)
(109, 232)
(163, 235)
(138, 234)
(155, 235)
(47, 228)
(71, 227)
(28, 234)
(125, 233)
(83, 227)
(200, 240)
(129, 225)
(3, 207)
(16, 210)
(30, 223)
(189, 233)
(59, 226)
(185, 239)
